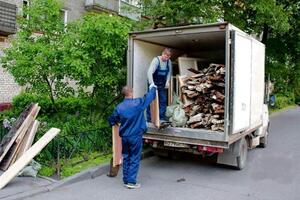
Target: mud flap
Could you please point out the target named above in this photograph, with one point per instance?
(230, 155)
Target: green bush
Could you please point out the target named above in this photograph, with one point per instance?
(284, 100)
(22, 100)
(70, 105)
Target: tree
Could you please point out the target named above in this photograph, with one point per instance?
(95, 54)
(276, 20)
(35, 56)
(180, 12)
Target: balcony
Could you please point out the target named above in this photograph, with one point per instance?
(8, 16)
(103, 5)
(120, 7)
(129, 10)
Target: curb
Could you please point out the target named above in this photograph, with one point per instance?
(91, 173)
(27, 194)
(82, 176)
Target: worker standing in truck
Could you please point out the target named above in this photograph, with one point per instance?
(159, 74)
(130, 115)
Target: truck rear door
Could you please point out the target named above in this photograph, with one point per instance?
(240, 81)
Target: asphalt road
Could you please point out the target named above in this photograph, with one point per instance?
(272, 173)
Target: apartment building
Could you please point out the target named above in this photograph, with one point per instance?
(72, 10)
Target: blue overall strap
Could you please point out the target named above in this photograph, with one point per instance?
(160, 75)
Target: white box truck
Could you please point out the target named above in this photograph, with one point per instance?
(246, 117)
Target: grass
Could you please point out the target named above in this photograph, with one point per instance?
(76, 165)
(274, 110)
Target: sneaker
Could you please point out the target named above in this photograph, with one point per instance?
(133, 186)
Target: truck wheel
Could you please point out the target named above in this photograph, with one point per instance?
(242, 158)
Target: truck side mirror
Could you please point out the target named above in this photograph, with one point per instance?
(272, 100)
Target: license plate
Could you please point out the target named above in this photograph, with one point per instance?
(175, 144)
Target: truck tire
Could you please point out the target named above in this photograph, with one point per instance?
(242, 158)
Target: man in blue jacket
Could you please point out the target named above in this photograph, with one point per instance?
(130, 115)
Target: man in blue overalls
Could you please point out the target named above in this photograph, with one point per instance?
(130, 115)
(159, 73)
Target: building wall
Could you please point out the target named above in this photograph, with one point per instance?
(8, 87)
(75, 8)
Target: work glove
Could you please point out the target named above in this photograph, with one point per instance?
(152, 85)
(167, 85)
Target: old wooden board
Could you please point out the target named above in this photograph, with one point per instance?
(117, 146)
(8, 175)
(12, 135)
(12, 153)
(24, 139)
(28, 140)
(170, 92)
(181, 83)
(185, 63)
(154, 109)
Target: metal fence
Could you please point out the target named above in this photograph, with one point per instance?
(72, 144)
(3, 131)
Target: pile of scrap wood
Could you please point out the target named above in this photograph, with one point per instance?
(203, 97)
(20, 137)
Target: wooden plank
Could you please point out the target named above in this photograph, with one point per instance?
(18, 131)
(154, 109)
(181, 96)
(170, 92)
(117, 146)
(12, 135)
(8, 175)
(11, 154)
(29, 137)
(25, 138)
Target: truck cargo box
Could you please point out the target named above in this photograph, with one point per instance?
(220, 43)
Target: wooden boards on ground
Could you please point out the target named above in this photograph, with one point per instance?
(11, 154)
(154, 109)
(27, 157)
(117, 146)
(12, 135)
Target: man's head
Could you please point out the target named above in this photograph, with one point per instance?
(127, 91)
(166, 54)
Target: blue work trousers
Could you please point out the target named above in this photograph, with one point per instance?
(162, 98)
(131, 152)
